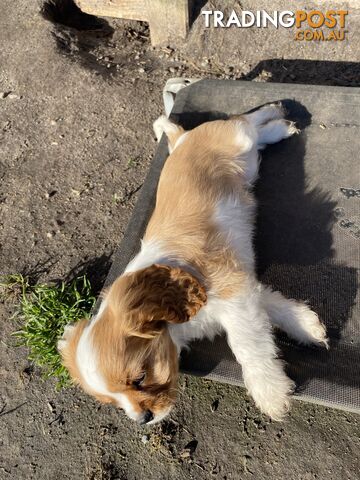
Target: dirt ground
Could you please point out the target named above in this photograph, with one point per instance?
(76, 109)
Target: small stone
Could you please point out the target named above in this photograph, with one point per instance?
(322, 126)
(2, 94)
(53, 122)
(13, 96)
(172, 69)
(142, 70)
(50, 234)
(108, 65)
(185, 454)
(145, 439)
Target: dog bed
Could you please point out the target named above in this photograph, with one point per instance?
(307, 231)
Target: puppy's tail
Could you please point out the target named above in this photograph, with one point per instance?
(171, 130)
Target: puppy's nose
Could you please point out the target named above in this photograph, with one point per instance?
(146, 418)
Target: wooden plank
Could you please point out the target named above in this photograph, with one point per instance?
(168, 20)
(129, 9)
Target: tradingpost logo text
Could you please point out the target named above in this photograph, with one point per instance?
(308, 25)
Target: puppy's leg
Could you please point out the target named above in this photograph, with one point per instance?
(265, 114)
(294, 318)
(246, 141)
(250, 338)
(264, 126)
(274, 131)
(171, 130)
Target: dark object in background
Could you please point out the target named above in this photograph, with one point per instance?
(67, 13)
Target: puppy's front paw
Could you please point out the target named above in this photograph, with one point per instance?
(271, 391)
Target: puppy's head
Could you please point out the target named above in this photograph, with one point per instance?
(125, 356)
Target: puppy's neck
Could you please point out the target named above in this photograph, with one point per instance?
(151, 252)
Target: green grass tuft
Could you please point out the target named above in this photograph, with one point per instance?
(44, 311)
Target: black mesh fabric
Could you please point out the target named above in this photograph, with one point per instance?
(308, 227)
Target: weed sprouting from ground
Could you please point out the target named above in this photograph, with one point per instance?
(42, 313)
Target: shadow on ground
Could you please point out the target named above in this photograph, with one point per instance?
(313, 72)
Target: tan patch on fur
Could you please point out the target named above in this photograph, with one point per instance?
(204, 169)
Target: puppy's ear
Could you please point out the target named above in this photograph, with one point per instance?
(160, 294)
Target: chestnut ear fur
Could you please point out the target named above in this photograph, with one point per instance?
(160, 294)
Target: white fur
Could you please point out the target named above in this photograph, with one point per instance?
(86, 358)
(159, 416)
(248, 329)
(164, 125)
(266, 114)
(150, 252)
(125, 403)
(61, 344)
(249, 335)
(275, 131)
(181, 139)
(204, 325)
(294, 318)
(235, 220)
(87, 362)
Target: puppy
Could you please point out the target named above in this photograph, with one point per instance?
(194, 277)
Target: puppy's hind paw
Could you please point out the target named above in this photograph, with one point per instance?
(311, 330)
(275, 131)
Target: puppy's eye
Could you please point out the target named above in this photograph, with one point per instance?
(139, 381)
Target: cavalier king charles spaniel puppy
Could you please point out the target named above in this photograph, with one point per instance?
(194, 277)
